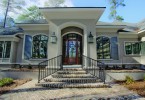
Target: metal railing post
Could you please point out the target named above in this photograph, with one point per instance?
(39, 74)
(48, 67)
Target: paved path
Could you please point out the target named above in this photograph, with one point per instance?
(29, 91)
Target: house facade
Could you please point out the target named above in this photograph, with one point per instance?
(73, 32)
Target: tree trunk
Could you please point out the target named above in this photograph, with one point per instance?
(5, 19)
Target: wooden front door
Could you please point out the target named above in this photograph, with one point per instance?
(72, 49)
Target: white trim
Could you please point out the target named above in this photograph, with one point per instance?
(72, 23)
(39, 34)
(4, 50)
(111, 26)
(23, 46)
(8, 36)
(12, 49)
(71, 32)
(141, 31)
(79, 25)
(34, 59)
(106, 59)
(132, 53)
(26, 24)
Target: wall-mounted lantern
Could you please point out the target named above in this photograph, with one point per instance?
(90, 38)
(53, 38)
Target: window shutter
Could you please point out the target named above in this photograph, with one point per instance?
(28, 47)
(114, 48)
(143, 48)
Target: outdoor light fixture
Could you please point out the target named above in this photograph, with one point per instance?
(53, 38)
(90, 38)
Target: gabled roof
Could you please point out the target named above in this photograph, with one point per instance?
(129, 27)
(141, 25)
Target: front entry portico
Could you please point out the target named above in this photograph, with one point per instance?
(79, 22)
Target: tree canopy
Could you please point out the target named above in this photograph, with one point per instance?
(10, 6)
(31, 13)
(55, 3)
(114, 5)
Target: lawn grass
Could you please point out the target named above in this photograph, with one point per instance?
(6, 88)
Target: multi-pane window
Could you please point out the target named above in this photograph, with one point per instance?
(132, 48)
(103, 48)
(39, 49)
(5, 48)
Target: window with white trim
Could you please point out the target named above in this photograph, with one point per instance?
(133, 48)
(5, 48)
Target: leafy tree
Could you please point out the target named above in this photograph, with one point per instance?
(10, 6)
(114, 5)
(55, 3)
(32, 13)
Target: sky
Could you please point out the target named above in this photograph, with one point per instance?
(133, 12)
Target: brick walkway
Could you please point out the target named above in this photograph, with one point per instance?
(29, 91)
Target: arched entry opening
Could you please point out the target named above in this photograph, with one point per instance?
(72, 46)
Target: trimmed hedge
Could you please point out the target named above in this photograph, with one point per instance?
(5, 81)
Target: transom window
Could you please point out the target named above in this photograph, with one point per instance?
(5, 48)
(39, 46)
(103, 47)
(133, 48)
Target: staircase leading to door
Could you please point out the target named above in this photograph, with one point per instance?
(91, 74)
(72, 78)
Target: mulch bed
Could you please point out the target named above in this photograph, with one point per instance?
(15, 83)
(137, 86)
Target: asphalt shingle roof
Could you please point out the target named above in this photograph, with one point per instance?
(10, 30)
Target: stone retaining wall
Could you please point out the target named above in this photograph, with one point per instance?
(19, 74)
(111, 76)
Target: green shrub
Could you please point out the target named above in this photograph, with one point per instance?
(129, 80)
(5, 81)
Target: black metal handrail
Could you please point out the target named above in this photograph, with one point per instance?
(49, 67)
(94, 67)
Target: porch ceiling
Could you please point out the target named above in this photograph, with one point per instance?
(51, 13)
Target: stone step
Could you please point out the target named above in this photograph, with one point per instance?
(73, 69)
(71, 72)
(75, 85)
(72, 76)
(72, 80)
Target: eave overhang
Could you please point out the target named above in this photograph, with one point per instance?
(51, 13)
(30, 27)
(9, 38)
(128, 35)
(109, 28)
